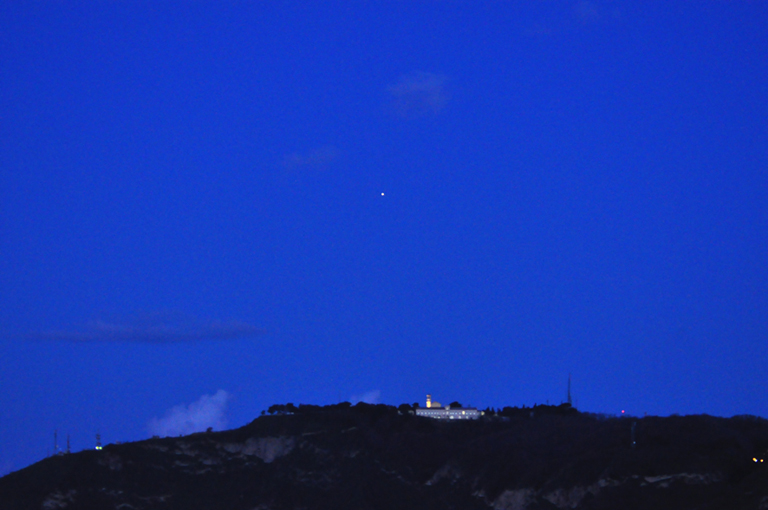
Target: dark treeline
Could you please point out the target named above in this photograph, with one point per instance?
(489, 412)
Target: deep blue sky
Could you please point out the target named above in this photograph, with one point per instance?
(464, 198)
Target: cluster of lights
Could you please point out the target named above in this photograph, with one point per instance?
(755, 459)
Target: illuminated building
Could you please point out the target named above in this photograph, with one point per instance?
(435, 410)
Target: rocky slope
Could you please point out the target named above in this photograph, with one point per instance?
(376, 457)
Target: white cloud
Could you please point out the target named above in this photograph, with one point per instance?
(207, 411)
(419, 94)
(312, 159)
(591, 12)
(152, 328)
(369, 397)
(587, 12)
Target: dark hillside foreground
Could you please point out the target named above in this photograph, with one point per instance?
(382, 457)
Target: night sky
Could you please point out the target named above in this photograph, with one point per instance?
(210, 207)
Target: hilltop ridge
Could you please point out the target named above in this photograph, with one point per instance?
(384, 457)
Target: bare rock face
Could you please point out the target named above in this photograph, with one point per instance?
(571, 498)
(448, 472)
(58, 500)
(112, 461)
(374, 457)
(518, 499)
(266, 448)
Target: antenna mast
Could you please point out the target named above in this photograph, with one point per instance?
(570, 401)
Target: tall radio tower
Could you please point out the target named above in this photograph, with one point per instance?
(570, 401)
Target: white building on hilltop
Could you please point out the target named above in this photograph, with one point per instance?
(435, 410)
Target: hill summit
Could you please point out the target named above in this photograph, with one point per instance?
(384, 457)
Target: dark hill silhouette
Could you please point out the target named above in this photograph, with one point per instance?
(383, 457)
